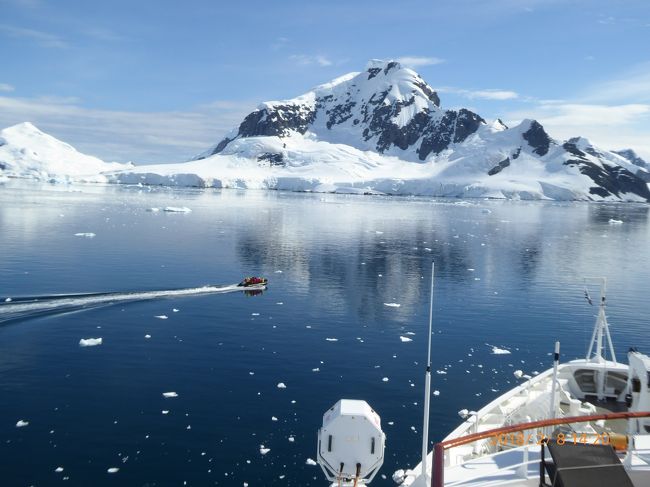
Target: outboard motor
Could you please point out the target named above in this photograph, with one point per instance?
(351, 443)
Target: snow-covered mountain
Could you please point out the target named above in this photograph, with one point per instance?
(26, 152)
(383, 130)
(386, 109)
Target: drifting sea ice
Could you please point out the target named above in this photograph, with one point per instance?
(90, 342)
(310, 462)
(264, 450)
(113, 470)
(21, 423)
(332, 339)
(86, 234)
(281, 385)
(392, 305)
(405, 339)
(161, 317)
(499, 351)
(170, 394)
(177, 209)
(615, 222)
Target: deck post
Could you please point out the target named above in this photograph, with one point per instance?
(523, 469)
(438, 467)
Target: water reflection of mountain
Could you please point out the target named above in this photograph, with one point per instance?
(383, 248)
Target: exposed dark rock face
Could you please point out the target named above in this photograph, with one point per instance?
(611, 180)
(3, 166)
(339, 114)
(466, 124)
(516, 153)
(372, 72)
(537, 138)
(499, 167)
(631, 156)
(280, 121)
(571, 148)
(273, 158)
(428, 91)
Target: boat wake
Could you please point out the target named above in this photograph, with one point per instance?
(27, 307)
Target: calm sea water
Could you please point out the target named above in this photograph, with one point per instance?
(508, 274)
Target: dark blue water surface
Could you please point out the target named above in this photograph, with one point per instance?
(508, 274)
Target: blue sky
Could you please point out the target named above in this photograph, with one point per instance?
(161, 81)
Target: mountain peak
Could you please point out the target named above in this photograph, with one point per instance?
(387, 108)
(24, 128)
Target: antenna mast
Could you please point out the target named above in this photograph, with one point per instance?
(601, 330)
(427, 387)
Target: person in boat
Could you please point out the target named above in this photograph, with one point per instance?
(253, 281)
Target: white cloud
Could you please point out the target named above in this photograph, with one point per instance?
(43, 39)
(140, 137)
(6, 87)
(305, 60)
(487, 94)
(416, 61)
(633, 86)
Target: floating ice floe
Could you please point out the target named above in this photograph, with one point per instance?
(310, 462)
(436, 392)
(281, 385)
(264, 450)
(8, 300)
(385, 379)
(615, 222)
(273, 418)
(113, 470)
(85, 234)
(499, 351)
(332, 339)
(161, 317)
(58, 469)
(177, 209)
(153, 210)
(405, 339)
(291, 439)
(392, 305)
(441, 372)
(175, 310)
(21, 423)
(165, 411)
(170, 394)
(90, 342)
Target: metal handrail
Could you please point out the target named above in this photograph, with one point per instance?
(438, 467)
